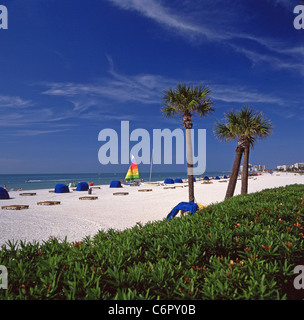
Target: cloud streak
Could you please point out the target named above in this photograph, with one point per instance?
(165, 17)
(13, 102)
(227, 34)
(289, 64)
(144, 89)
(35, 132)
(242, 94)
(141, 88)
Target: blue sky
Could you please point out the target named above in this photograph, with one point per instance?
(70, 68)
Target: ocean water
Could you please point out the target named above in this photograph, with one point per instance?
(48, 181)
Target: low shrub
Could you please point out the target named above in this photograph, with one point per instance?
(243, 248)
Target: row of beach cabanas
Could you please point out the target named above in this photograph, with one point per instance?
(179, 180)
(176, 180)
(84, 186)
(59, 188)
(117, 184)
(63, 188)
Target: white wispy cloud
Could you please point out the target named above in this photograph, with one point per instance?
(13, 102)
(145, 89)
(242, 94)
(33, 121)
(289, 4)
(141, 88)
(83, 96)
(219, 29)
(34, 132)
(166, 17)
(276, 62)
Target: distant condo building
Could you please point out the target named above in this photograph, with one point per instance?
(284, 167)
(258, 167)
(254, 168)
(299, 165)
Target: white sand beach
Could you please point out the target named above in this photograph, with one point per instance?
(75, 219)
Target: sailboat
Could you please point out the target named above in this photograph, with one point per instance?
(132, 173)
(150, 183)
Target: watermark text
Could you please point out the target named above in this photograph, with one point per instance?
(3, 277)
(298, 22)
(161, 142)
(298, 281)
(3, 17)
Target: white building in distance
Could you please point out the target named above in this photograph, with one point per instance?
(254, 168)
(284, 167)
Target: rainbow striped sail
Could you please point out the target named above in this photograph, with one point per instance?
(132, 173)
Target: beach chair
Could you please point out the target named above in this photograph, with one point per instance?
(183, 207)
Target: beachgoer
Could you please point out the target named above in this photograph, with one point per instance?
(5, 187)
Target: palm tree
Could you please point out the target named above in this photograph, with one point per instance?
(185, 101)
(253, 126)
(247, 125)
(227, 130)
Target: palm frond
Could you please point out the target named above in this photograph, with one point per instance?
(187, 100)
(247, 125)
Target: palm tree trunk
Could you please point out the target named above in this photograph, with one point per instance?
(244, 188)
(234, 172)
(188, 126)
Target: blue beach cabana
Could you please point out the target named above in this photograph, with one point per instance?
(82, 186)
(178, 180)
(3, 194)
(169, 181)
(206, 178)
(115, 184)
(61, 188)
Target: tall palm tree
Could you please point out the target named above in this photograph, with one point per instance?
(227, 130)
(253, 127)
(186, 101)
(246, 126)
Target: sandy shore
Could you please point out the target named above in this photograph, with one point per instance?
(75, 218)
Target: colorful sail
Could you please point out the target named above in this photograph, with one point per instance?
(132, 173)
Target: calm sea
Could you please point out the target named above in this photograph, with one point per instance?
(46, 181)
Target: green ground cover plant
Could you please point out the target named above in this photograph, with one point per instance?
(243, 248)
